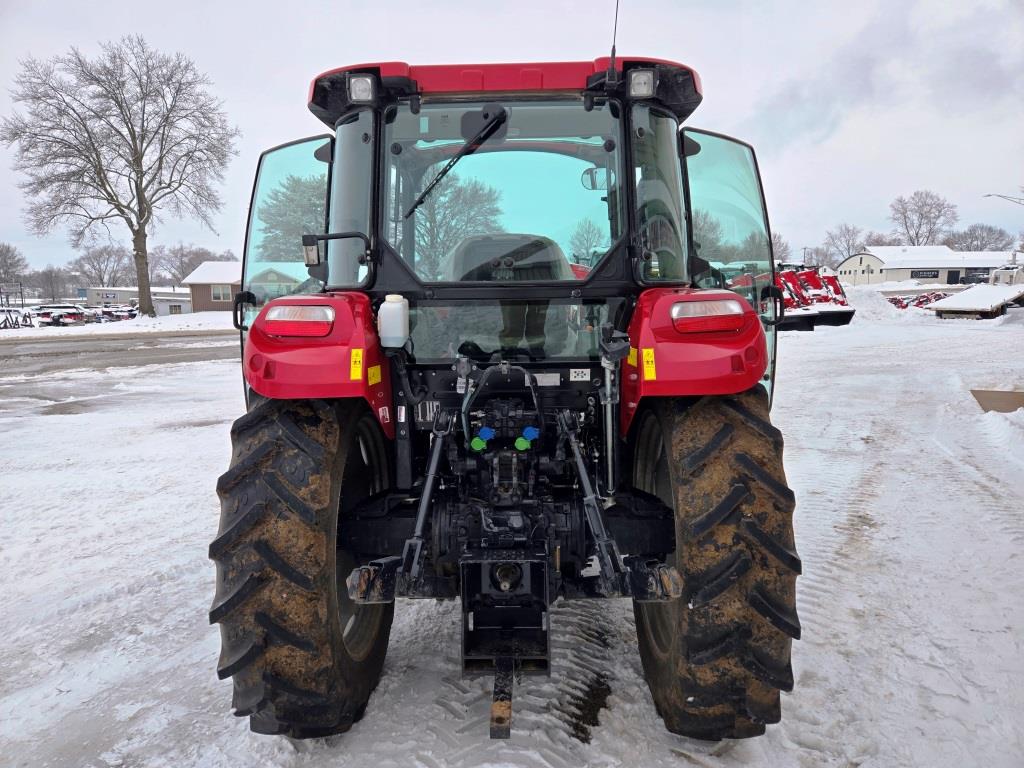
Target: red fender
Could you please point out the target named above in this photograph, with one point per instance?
(347, 362)
(664, 362)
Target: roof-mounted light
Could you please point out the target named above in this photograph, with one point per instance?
(362, 89)
(642, 83)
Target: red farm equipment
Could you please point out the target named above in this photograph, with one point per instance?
(450, 396)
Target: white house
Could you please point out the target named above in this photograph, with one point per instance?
(924, 263)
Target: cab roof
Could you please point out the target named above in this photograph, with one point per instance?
(679, 85)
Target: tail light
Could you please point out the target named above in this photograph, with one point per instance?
(299, 320)
(708, 316)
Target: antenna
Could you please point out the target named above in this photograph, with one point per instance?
(611, 78)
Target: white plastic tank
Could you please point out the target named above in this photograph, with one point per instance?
(393, 321)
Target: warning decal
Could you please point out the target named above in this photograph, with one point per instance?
(650, 374)
(373, 375)
(355, 366)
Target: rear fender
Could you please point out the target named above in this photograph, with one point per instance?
(664, 362)
(348, 362)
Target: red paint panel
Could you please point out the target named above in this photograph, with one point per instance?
(291, 368)
(688, 364)
(461, 78)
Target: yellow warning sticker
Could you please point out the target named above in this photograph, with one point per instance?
(650, 374)
(632, 357)
(373, 375)
(355, 366)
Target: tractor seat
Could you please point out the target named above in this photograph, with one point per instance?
(508, 257)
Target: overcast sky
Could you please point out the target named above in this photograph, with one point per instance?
(848, 104)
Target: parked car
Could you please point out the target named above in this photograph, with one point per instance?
(62, 314)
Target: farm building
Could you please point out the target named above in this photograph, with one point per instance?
(924, 263)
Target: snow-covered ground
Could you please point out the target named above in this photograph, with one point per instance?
(192, 321)
(910, 522)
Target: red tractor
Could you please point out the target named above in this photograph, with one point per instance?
(440, 406)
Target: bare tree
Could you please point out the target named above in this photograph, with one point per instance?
(780, 248)
(103, 266)
(923, 218)
(13, 266)
(453, 211)
(51, 282)
(980, 237)
(179, 261)
(880, 238)
(818, 255)
(707, 232)
(584, 240)
(118, 138)
(842, 242)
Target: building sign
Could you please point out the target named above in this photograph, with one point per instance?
(109, 295)
(924, 273)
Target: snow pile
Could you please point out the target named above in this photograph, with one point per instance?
(981, 298)
(193, 321)
(873, 306)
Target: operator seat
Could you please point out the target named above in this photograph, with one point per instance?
(510, 257)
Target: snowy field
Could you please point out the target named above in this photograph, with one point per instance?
(192, 321)
(910, 522)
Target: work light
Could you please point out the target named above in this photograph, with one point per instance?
(361, 89)
(642, 83)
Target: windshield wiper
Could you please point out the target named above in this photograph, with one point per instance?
(471, 146)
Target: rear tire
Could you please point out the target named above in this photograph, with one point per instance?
(303, 657)
(716, 659)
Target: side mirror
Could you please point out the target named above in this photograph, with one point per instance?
(597, 178)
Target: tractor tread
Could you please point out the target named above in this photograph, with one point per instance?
(250, 586)
(283, 636)
(780, 490)
(778, 617)
(766, 428)
(282, 567)
(238, 472)
(276, 564)
(700, 457)
(289, 500)
(242, 525)
(252, 652)
(738, 494)
(710, 585)
(717, 661)
(759, 536)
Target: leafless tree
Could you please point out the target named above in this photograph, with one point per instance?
(880, 238)
(103, 266)
(923, 218)
(584, 240)
(13, 266)
(819, 255)
(842, 242)
(118, 138)
(51, 282)
(453, 211)
(707, 232)
(179, 261)
(980, 237)
(780, 248)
